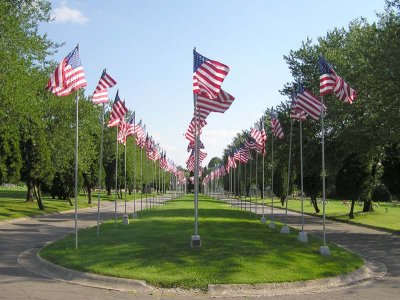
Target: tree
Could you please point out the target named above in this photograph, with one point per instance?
(391, 169)
(351, 180)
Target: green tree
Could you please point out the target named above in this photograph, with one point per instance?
(391, 169)
(351, 180)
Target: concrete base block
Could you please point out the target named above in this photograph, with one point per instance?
(302, 237)
(134, 216)
(125, 220)
(195, 242)
(324, 250)
(271, 225)
(263, 220)
(285, 229)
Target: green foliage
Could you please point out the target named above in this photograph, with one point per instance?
(391, 169)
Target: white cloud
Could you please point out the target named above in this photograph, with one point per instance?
(218, 137)
(215, 142)
(65, 14)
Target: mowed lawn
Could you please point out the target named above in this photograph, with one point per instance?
(385, 215)
(236, 248)
(13, 205)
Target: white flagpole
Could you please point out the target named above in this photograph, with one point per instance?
(256, 182)
(302, 237)
(324, 250)
(116, 182)
(301, 176)
(100, 169)
(125, 173)
(76, 170)
(285, 228)
(272, 224)
(263, 219)
(250, 185)
(195, 241)
(134, 167)
(141, 178)
(196, 168)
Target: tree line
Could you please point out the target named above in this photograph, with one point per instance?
(37, 129)
(362, 149)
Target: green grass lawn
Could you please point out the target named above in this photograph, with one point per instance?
(335, 209)
(13, 205)
(236, 248)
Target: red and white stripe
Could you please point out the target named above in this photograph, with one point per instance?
(208, 77)
(309, 103)
(343, 91)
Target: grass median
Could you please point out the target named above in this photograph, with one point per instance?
(235, 248)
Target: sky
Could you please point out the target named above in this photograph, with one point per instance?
(147, 47)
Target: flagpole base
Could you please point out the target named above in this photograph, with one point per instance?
(263, 220)
(285, 229)
(271, 225)
(302, 237)
(324, 250)
(195, 242)
(134, 215)
(125, 220)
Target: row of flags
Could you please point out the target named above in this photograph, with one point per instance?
(303, 104)
(69, 76)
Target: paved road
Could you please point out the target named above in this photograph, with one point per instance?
(18, 236)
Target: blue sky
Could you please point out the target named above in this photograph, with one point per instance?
(147, 47)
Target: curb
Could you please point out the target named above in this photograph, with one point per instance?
(370, 271)
(31, 261)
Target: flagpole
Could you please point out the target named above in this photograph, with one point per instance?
(116, 182)
(324, 250)
(272, 224)
(263, 219)
(134, 168)
(285, 228)
(196, 242)
(141, 178)
(256, 182)
(302, 237)
(76, 170)
(100, 168)
(250, 186)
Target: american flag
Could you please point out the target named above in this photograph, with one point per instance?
(191, 129)
(100, 94)
(118, 111)
(69, 76)
(122, 132)
(191, 145)
(258, 133)
(307, 102)
(252, 144)
(208, 75)
(331, 82)
(130, 130)
(218, 104)
(327, 77)
(276, 125)
(140, 135)
(296, 113)
(343, 91)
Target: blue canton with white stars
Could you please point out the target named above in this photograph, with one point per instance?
(73, 59)
(324, 67)
(198, 60)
